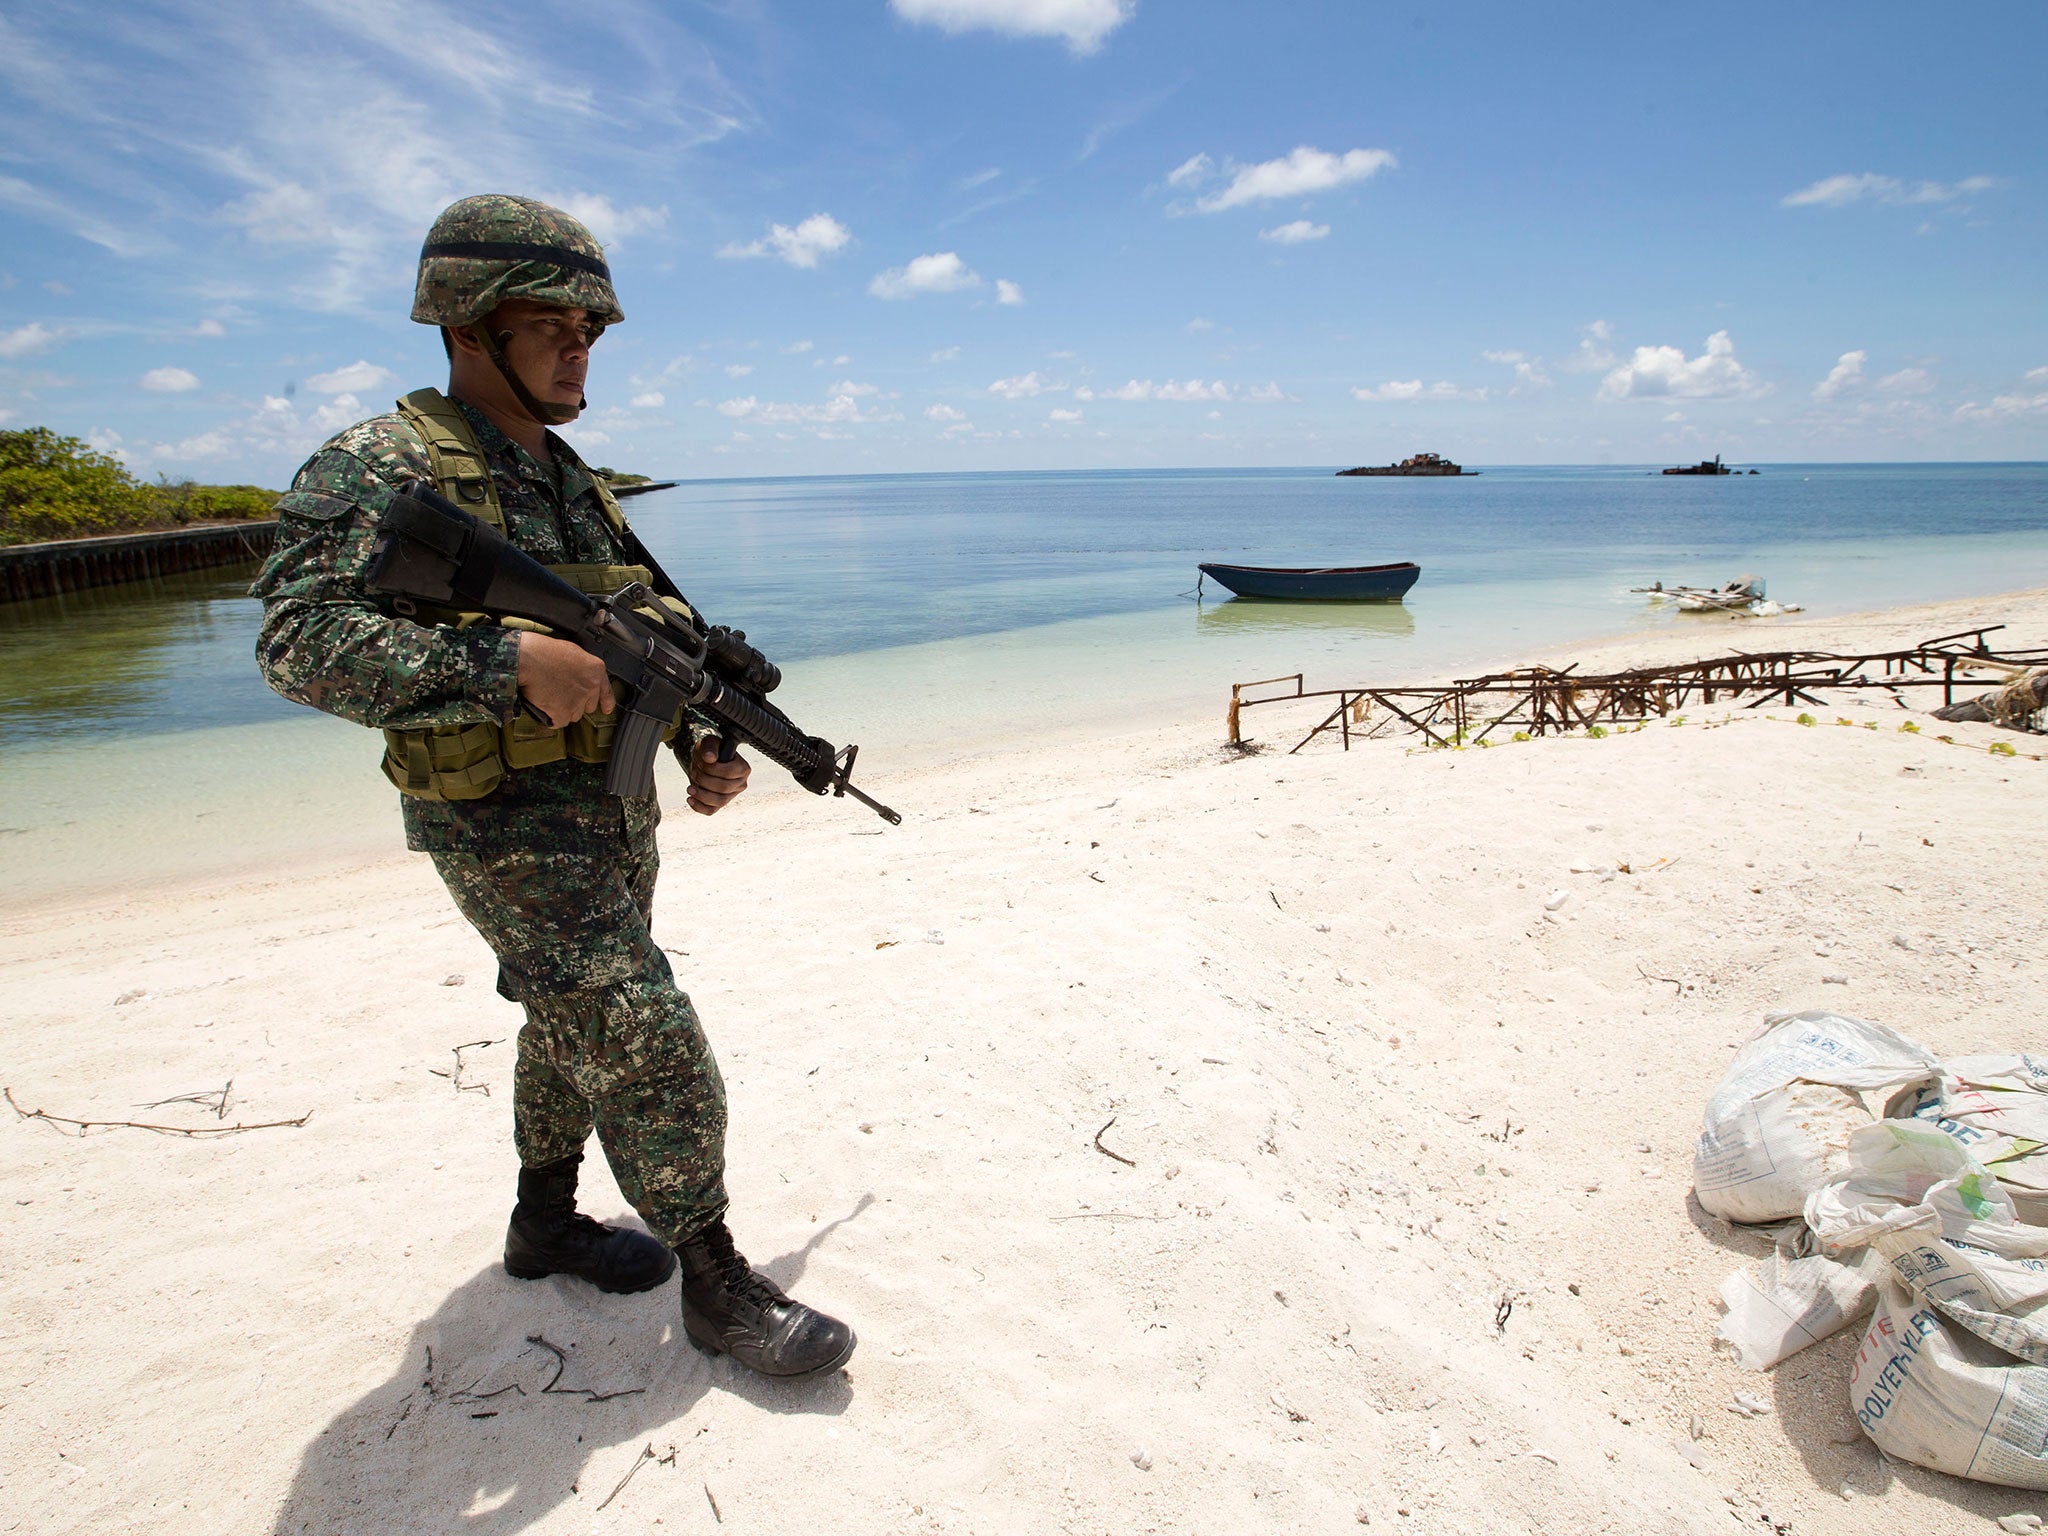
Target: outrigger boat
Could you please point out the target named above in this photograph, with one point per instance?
(1330, 584)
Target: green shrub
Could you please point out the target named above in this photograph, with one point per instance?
(54, 487)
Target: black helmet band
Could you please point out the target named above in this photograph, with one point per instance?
(502, 250)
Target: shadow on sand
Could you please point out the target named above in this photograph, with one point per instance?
(505, 1395)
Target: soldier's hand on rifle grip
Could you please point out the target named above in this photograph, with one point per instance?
(562, 680)
(714, 777)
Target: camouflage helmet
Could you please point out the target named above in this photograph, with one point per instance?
(485, 250)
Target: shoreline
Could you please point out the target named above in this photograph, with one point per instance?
(355, 813)
(1370, 1081)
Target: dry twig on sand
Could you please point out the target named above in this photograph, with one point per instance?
(455, 1077)
(646, 1455)
(199, 1132)
(215, 1099)
(1106, 1152)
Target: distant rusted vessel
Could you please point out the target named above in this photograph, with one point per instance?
(1420, 464)
(1712, 466)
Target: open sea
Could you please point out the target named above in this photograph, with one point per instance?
(930, 616)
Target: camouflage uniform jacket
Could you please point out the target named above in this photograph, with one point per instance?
(328, 642)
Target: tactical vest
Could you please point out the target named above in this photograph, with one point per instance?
(467, 762)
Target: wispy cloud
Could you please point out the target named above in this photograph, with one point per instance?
(943, 272)
(1145, 389)
(842, 405)
(1297, 233)
(326, 138)
(1656, 373)
(31, 340)
(354, 378)
(2004, 408)
(1008, 293)
(1066, 417)
(1081, 24)
(1841, 191)
(802, 245)
(1302, 173)
(1415, 389)
(1594, 354)
(1529, 372)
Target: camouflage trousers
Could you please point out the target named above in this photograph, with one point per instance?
(610, 1042)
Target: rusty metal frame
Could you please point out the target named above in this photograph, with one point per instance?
(1541, 700)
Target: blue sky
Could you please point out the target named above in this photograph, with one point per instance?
(884, 235)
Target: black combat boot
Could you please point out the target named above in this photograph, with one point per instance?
(549, 1236)
(729, 1308)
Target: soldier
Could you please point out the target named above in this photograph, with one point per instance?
(555, 874)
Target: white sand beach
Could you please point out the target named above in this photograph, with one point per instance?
(1397, 1234)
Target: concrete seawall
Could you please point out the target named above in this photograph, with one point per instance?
(70, 565)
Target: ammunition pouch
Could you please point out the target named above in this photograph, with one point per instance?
(468, 762)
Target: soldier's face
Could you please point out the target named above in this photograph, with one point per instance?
(549, 348)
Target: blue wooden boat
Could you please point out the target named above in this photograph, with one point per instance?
(1330, 584)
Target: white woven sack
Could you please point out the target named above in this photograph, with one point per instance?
(1778, 1126)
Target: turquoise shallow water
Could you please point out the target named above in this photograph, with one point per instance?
(929, 615)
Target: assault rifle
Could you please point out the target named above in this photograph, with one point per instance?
(428, 550)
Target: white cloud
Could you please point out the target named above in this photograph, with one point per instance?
(979, 178)
(1305, 171)
(2003, 408)
(1082, 23)
(1666, 372)
(1297, 233)
(848, 387)
(1268, 393)
(738, 370)
(2037, 375)
(1191, 172)
(943, 413)
(208, 328)
(359, 375)
(1415, 389)
(1199, 323)
(606, 220)
(1841, 191)
(1529, 372)
(274, 429)
(1907, 381)
(1593, 354)
(652, 400)
(1145, 389)
(839, 409)
(1063, 416)
(819, 235)
(944, 272)
(1847, 372)
(1021, 387)
(30, 340)
(946, 354)
(170, 381)
(798, 348)
(1008, 292)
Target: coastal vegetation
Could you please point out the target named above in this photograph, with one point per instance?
(612, 476)
(55, 487)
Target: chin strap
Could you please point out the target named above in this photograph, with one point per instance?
(540, 411)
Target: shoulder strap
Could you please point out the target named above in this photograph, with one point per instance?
(457, 458)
